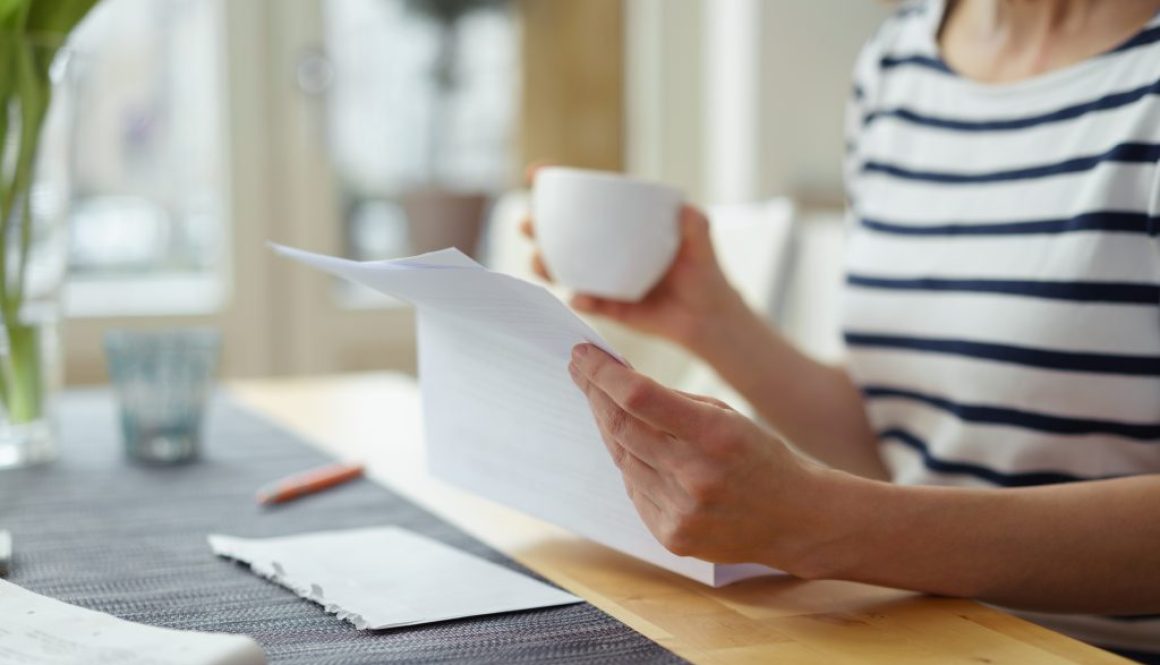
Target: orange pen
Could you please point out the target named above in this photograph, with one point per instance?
(309, 482)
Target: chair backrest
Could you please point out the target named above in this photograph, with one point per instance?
(812, 307)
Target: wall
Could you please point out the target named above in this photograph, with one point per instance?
(808, 52)
(663, 74)
(801, 57)
(572, 102)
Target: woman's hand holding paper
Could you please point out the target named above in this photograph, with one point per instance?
(707, 481)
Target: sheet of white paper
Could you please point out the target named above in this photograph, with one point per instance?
(385, 577)
(36, 630)
(452, 284)
(502, 416)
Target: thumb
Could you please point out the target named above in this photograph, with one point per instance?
(695, 237)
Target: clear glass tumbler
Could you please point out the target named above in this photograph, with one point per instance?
(162, 380)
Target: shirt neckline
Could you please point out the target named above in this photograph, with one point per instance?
(936, 15)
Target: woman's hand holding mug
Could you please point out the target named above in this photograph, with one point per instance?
(689, 300)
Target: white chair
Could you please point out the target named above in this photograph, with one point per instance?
(810, 314)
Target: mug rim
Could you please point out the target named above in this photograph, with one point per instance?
(605, 176)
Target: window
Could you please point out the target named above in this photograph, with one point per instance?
(399, 126)
(148, 211)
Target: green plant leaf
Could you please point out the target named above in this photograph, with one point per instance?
(55, 18)
(34, 30)
(14, 15)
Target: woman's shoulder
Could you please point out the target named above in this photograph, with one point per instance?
(905, 33)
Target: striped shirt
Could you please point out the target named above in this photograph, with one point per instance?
(1002, 301)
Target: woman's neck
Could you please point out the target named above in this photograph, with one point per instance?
(1014, 20)
(1002, 41)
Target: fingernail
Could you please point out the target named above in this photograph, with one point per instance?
(579, 351)
(574, 371)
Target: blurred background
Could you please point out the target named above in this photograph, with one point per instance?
(384, 128)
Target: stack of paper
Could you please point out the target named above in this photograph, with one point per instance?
(502, 416)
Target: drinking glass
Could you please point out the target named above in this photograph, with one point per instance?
(162, 380)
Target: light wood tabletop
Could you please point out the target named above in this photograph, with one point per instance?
(375, 418)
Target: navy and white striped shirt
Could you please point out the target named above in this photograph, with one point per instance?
(1002, 306)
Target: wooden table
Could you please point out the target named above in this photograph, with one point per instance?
(375, 418)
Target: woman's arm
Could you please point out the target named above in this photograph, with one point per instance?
(813, 405)
(1091, 547)
(711, 484)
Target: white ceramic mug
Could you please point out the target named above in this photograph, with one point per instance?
(603, 233)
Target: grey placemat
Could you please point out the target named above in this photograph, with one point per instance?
(94, 530)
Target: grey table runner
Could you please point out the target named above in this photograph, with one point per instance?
(99, 532)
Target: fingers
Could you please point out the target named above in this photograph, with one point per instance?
(634, 448)
(693, 221)
(695, 233)
(622, 429)
(640, 479)
(528, 230)
(659, 407)
(612, 309)
(585, 303)
(649, 509)
(532, 167)
(540, 268)
(705, 399)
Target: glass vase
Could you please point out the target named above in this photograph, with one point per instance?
(36, 122)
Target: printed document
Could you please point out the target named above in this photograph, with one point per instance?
(36, 630)
(502, 416)
(386, 577)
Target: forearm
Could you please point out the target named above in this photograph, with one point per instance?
(1090, 547)
(813, 405)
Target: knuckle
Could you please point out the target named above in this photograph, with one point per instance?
(638, 395)
(679, 538)
(678, 547)
(720, 437)
(704, 489)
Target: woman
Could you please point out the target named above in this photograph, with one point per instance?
(1003, 326)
